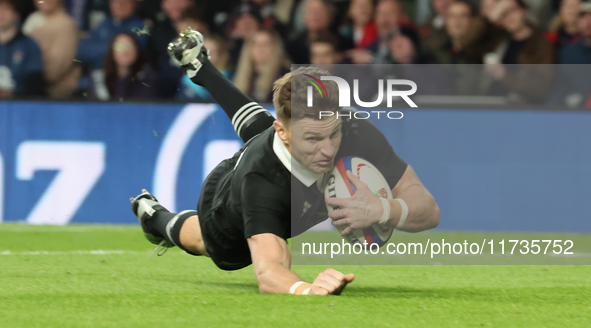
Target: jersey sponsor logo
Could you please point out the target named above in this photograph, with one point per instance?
(306, 208)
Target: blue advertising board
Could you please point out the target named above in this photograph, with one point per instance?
(66, 163)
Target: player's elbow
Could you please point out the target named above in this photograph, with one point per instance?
(264, 279)
(264, 289)
(427, 215)
(431, 213)
(436, 214)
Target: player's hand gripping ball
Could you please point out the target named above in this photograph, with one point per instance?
(352, 201)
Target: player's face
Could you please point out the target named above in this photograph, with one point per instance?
(314, 143)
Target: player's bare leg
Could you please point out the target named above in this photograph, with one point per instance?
(191, 237)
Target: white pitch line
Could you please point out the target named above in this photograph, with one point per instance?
(72, 228)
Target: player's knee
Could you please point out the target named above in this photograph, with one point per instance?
(195, 246)
(191, 238)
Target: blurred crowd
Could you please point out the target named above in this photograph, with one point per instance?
(116, 50)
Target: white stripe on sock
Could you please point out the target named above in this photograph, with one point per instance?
(171, 223)
(239, 112)
(248, 118)
(244, 115)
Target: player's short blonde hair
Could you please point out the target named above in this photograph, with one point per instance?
(290, 95)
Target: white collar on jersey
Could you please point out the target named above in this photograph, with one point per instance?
(303, 174)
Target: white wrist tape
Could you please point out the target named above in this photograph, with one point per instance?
(306, 292)
(295, 286)
(386, 214)
(404, 213)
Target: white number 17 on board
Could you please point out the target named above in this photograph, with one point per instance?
(79, 166)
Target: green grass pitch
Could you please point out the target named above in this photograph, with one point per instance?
(51, 277)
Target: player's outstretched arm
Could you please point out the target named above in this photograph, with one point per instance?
(247, 116)
(271, 259)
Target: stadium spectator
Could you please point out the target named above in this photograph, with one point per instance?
(458, 49)
(539, 12)
(93, 49)
(57, 35)
(164, 32)
(245, 21)
(219, 57)
(433, 32)
(405, 48)
(573, 85)
(419, 65)
(21, 64)
(360, 27)
(283, 16)
(165, 29)
(269, 9)
(487, 7)
(127, 73)
(325, 51)
(262, 61)
(194, 18)
(484, 33)
(79, 11)
(388, 15)
(564, 28)
(524, 45)
(580, 52)
(318, 17)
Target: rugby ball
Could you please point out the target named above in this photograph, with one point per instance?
(339, 186)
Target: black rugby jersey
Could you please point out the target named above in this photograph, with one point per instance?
(259, 194)
(360, 138)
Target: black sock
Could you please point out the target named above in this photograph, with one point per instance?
(158, 222)
(248, 117)
(168, 226)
